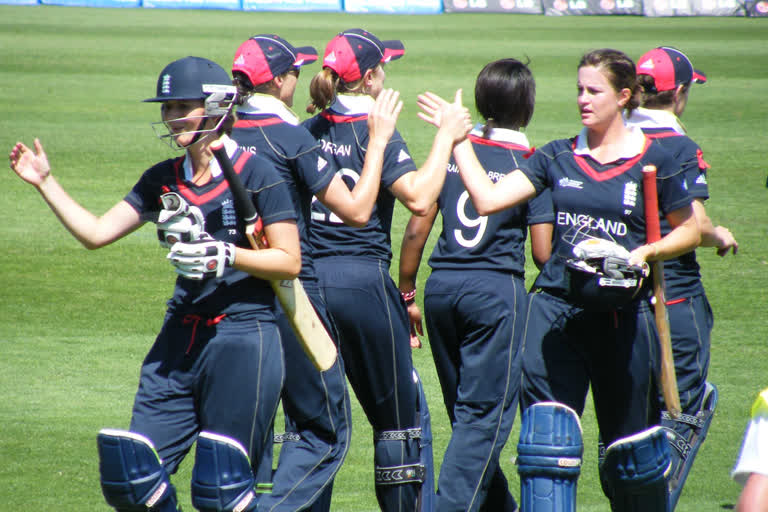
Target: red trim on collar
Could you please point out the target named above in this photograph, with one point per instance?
(253, 123)
(498, 143)
(341, 118)
(198, 199)
(662, 135)
(616, 171)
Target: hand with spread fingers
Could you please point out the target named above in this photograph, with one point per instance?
(31, 166)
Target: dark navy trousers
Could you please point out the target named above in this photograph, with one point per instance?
(475, 322)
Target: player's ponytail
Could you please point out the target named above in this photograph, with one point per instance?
(322, 89)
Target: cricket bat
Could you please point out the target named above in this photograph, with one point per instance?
(653, 233)
(310, 331)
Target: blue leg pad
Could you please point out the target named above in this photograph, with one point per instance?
(635, 471)
(132, 476)
(686, 434)
(549, 458)
(222, 478)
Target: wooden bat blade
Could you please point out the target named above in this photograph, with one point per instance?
(668, 377)
(303, 317)
(307, 326)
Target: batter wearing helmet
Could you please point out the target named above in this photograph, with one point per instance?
(215, 370)
(665, 76)
(475, 297)
(316, 404)
(353, 263)
(595, 180)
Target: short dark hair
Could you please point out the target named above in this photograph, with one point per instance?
(505, 94)
(620, 71)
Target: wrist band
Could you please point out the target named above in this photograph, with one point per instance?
(409, 297)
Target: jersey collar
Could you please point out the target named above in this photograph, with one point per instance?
(502, 135)
(267, 104)
(229, 144)
(633, 146)
(352, 104)
(652, 118)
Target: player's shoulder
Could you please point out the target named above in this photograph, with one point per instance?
(256, 171)
(555, 148)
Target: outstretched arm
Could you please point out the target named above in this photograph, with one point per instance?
(486, 196)
(354, 206)
(92, 231)
(411, 251)
(419, 190)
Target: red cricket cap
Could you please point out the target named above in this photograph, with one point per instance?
(669, 68)
(265, 56)
(353, 52)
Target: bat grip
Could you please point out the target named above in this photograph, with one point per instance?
(651, 202)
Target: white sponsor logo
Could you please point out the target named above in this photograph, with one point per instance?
(630, 194)
(403, 156)
(569, 183)
(321, 163)
(240, 60)
(330, 58)
(701, 180)
(646, 64)
(614, 227)
(453, 168)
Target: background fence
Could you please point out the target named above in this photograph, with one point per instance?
(751, 8)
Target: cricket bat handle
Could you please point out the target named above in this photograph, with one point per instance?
(653, 233)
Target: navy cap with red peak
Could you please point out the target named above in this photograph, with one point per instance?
(669, 68)
(353, 52)
(265, 56)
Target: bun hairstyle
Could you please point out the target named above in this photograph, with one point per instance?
(620, 70)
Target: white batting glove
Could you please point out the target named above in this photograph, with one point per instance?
(202, 259)
(179, 221)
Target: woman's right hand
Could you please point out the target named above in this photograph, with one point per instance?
(453, 117)
(382, 119)
(31, 166)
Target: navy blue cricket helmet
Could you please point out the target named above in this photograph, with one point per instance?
(184, 79)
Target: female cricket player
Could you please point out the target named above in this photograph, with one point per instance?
(475, 297)
(595, 180)
(665, 76)
(353, 262)
(316, 404)
(215, 370)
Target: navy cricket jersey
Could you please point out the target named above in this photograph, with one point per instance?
(682, 276)
(267, 127)
(609, 197)
(343, 132)
(235, 290)
(494, 242)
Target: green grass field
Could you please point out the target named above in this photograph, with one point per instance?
(75, 325)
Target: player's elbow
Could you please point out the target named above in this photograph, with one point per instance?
(292, 270)
(358, 220)
(418, 206)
